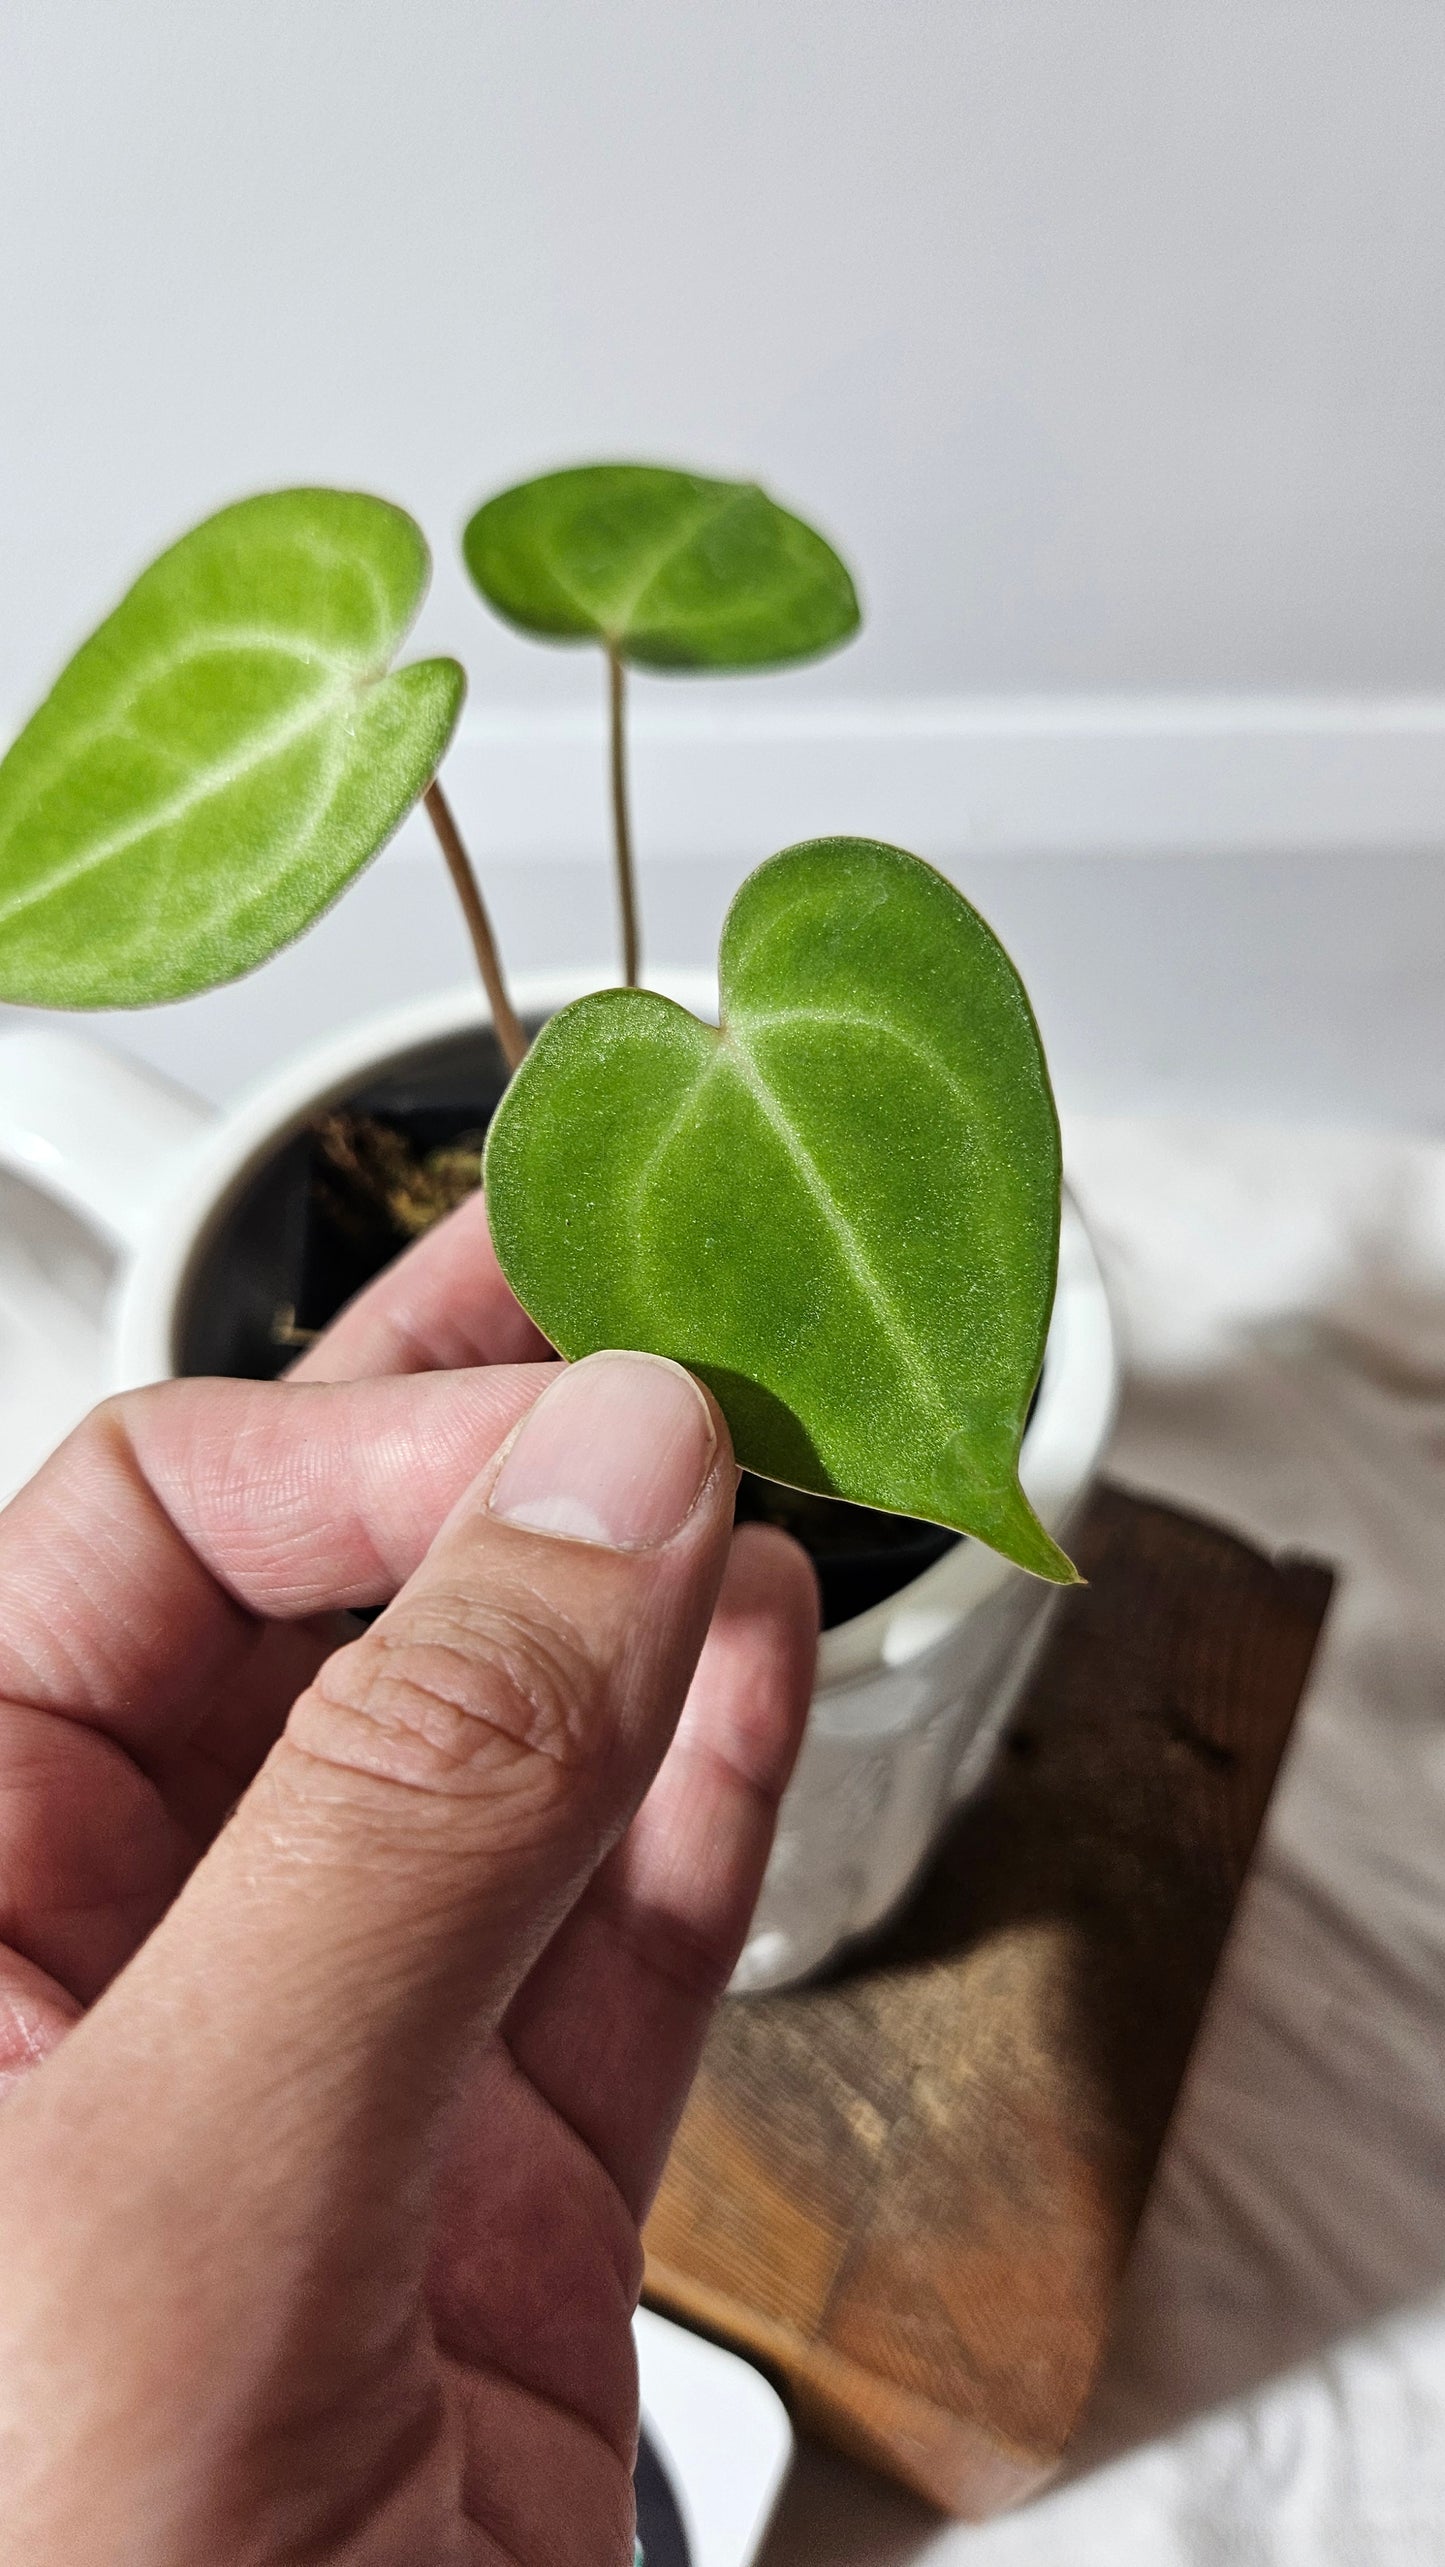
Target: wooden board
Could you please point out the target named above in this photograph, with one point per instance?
(910, 2191)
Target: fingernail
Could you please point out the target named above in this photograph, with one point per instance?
(616, 1451)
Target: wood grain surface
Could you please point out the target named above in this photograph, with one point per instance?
(910, 2190)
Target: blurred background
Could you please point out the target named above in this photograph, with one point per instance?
(1105, 339)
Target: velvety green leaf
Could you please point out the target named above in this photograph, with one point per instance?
(840, 1208)
(673, 571)
(222, 756)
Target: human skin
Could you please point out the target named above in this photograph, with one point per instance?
(352, 1986)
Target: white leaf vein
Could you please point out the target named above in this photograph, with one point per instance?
(912, 1358)
(873, 1027)
(217, 779)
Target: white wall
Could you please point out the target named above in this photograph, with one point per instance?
(1107, 335)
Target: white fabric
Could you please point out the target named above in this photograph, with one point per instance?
(1276, 2395)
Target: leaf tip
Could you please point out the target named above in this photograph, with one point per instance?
(1013, 1529)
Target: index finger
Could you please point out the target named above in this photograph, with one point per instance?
(443, 1306)
(160, 1579)
(177, 1521)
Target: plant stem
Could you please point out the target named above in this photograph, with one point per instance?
(505, 1020)
(621, 824)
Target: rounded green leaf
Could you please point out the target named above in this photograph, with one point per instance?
(222, 756)
(840, 1207)
(669, 570)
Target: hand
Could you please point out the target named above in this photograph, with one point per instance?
(352, 1991)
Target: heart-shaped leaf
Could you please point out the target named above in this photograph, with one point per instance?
(667, 569)
(222, 756)
(840, 1208)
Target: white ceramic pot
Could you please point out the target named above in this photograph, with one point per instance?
(911, 1695)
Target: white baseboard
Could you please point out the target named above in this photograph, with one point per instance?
(1126, 775)
(1219, 906)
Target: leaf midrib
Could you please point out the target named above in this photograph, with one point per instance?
(374, 660)
(731, 1053)
(264, 746)
(77, 739)
(616, 627)
(855, 1256)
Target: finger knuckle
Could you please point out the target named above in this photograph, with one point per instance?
(453, 1693)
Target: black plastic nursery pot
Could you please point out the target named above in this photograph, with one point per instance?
(340, 1199)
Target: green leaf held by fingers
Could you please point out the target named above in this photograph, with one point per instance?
(222, 756)
(667, 569)
(840, 1207)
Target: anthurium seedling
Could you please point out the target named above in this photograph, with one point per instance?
(667, 571)
(839, 1205)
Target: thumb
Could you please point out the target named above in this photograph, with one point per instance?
(440, 1796)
